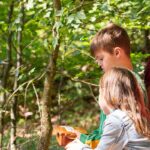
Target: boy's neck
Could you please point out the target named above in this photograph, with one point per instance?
(126, 63)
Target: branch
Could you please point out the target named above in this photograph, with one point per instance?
(93, 94)
(83, 3)
(78, 80)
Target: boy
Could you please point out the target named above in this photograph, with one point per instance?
(111, 48)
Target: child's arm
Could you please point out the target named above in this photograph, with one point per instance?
(114, 135)
(93, 138)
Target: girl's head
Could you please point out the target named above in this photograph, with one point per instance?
(119, 89)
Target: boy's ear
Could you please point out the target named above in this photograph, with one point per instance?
(117, 51)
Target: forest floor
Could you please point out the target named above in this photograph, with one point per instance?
(85, 116)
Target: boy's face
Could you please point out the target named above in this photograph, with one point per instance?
(106, 60)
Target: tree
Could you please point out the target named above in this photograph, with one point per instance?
(46, 126)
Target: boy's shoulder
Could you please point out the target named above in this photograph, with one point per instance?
(137, 76)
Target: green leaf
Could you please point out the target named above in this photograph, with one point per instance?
(55, 42)
(81, 15)
(30, 4)
(70, 19)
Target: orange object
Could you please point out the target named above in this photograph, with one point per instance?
(65, 134)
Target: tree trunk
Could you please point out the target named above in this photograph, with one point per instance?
(147, 41)
(17, 72)
(6, 70)
(46, 126)
(1, 128)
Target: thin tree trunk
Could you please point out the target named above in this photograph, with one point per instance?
(147, 41)
(1, 128)
(46, 126)
(6, 70)
(16, 83)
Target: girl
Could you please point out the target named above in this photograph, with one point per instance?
(127, 125)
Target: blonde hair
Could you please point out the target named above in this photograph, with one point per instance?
(119, 88)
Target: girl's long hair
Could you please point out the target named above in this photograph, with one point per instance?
(120, 89)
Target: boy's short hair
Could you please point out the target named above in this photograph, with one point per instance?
(110, 37)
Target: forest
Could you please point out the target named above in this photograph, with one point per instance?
(47, 74)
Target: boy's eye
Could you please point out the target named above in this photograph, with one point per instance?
(100, 59)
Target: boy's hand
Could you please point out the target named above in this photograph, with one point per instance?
(66, 134)
(77, 133)
(63, 139)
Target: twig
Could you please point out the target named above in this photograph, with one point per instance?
(93, 94)
(25, 95)
(77, 7)
(80, 6)
(23, 84)
(77, 80)
(32, 139)
(25, 99)
(37, 97)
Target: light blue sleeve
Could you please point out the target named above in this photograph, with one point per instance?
(114, 136)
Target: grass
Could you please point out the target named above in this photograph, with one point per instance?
(29, 143)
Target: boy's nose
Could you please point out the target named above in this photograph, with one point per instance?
(98, 62)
